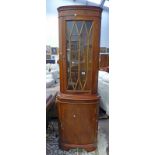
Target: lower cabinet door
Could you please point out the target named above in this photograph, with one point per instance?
(78, 123)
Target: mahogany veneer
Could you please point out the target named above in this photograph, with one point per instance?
(78, 102)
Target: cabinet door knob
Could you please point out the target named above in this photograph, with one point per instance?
(74, 115)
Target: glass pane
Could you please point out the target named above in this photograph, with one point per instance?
(79, 24)
(74, 30)
(69, 25)
(88, 25)
(79, 55)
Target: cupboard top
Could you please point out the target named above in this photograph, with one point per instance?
(79, 10)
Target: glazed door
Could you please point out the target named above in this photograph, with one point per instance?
(79, 55)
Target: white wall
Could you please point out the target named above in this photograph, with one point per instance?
(52, 32)
(105, 28)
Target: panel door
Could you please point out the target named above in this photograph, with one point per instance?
(78, 123)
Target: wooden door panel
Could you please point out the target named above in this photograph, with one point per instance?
(78, 123)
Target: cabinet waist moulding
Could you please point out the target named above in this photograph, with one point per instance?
(78, 102)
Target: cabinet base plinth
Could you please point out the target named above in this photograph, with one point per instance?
(88, 147)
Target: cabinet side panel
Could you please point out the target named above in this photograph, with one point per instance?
(96, 50)
(62, 54)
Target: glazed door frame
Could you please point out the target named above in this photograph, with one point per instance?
(63, 55)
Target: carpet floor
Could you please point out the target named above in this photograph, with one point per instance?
(52, 137)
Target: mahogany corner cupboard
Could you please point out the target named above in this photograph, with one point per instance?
(78, 102)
